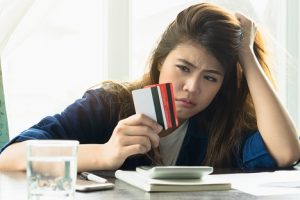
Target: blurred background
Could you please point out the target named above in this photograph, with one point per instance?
(54, 50)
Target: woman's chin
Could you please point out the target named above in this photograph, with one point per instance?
(182, 116)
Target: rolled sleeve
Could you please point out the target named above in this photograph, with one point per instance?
(30, 134)
(255, 154)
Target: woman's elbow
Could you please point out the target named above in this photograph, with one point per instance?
(9, 165)
(13, 158)
(289, 158)
(2, 167)
(4, 164)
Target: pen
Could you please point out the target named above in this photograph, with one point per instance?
(92, 177)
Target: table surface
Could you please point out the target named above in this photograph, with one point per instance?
(13, 186)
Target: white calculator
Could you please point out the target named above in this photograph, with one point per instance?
(175, 172)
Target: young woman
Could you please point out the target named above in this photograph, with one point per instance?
(229, 113)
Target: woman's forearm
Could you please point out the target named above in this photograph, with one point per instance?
(13, 158)
(93, 157)
(274, 122)
(90, 157)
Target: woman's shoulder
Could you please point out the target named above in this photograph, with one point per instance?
(97, 93)
(110, 91)
(113, 96)
(120, 91)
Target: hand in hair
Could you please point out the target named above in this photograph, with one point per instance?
(249, 31)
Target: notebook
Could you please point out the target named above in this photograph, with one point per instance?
(147, 184)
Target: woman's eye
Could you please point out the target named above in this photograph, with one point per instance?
(183, 68)
(210, 78)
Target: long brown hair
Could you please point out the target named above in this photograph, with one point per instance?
(231, 114)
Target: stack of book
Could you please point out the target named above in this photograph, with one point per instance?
(179, 178)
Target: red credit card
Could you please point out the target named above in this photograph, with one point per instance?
(157, 102)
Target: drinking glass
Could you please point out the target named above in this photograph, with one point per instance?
(51, 169)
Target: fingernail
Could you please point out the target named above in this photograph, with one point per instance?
(159, 128)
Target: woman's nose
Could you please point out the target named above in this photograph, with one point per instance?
(192, 85)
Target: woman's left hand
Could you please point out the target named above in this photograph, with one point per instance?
(273, 120)
(249, 32)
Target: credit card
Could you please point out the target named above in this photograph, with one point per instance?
(157, 102)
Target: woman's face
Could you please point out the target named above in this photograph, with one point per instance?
(196, 76)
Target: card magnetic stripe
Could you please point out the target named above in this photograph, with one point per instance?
(165, 103)
(172, 114)
(157, 106)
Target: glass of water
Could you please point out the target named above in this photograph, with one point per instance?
(51, 169)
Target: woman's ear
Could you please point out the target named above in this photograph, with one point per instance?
(159, 67)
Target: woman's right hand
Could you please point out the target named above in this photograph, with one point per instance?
(136, 134)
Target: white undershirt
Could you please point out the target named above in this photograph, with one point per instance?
(170, 145)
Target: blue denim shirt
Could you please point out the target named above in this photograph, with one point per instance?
(93, 118)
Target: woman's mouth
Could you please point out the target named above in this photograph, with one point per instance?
(185, 103)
